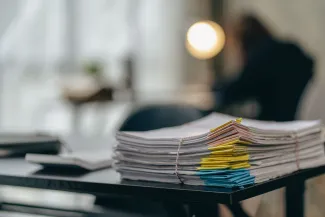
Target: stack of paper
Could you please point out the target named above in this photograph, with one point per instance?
(220, 150)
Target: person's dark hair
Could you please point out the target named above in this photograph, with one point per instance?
(249, 31)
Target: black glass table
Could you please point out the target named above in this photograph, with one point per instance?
(106, 182)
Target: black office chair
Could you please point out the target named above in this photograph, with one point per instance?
(158, 116)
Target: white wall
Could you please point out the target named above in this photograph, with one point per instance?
(302, 21)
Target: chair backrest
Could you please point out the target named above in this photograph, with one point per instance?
(159, 116)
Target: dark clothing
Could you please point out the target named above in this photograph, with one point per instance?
(275, 74)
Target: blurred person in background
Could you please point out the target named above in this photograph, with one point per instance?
(275, 73)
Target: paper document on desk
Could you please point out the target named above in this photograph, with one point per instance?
(220, 150)
(89, 160)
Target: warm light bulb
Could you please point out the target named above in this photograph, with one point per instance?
(205, 39)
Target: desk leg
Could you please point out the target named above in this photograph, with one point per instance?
(204, 210)
(237, 210)
(295, 199)
(175, 209)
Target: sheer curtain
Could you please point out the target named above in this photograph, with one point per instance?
(39, 39)
(42, 41)
(27, 48)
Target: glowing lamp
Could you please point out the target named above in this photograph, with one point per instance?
(205, 39)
